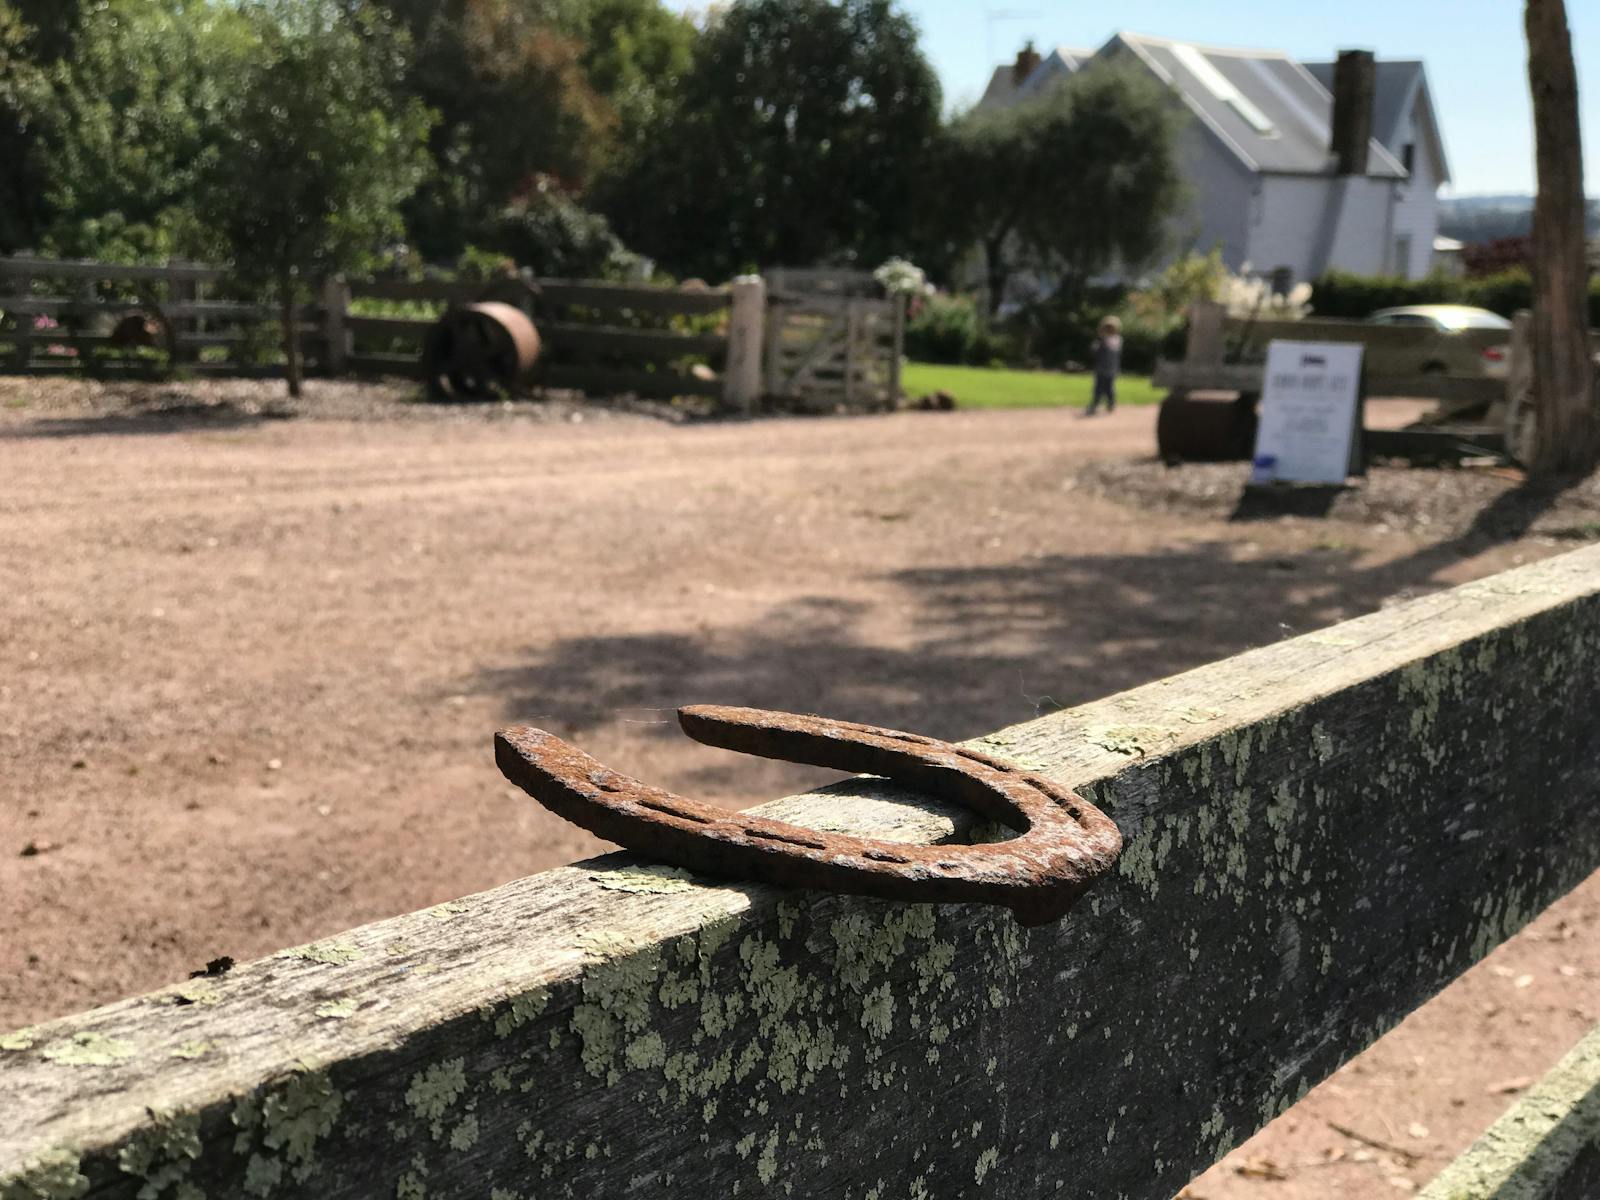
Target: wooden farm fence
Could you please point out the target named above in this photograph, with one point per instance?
(597, 337)
(833, 341)
(1320, 835)
(91, 317)
(1229, 354)
(601, 338)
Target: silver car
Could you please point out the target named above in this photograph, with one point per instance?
(1446, 339)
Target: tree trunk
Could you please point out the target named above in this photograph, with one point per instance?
(994, 261)
(291, 333)
(1565, 441)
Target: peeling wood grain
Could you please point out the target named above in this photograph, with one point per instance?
(1321, 835)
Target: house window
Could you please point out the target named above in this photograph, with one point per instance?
(1408, 157)
(1402, 255)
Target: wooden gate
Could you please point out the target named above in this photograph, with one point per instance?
(833, 341)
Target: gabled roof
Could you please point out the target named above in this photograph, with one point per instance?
(1272, 113)
(1400, 84)
(1002, 91)
(1266, 108)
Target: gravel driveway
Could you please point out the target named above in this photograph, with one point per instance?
(253, 653)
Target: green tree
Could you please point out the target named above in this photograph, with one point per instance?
(553, 235)
(800, 133)
(317, 155)
(634, 53)
(515, 104)
(22, 91)
(1075, 182)
(134, 111)
(52, 26)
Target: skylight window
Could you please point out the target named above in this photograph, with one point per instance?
(1215, 82)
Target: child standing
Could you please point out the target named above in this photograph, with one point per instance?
(1106, 354)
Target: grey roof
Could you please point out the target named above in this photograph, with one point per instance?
(1273, 113)
(1270, 111)
(1399, 83)
(1058, 64)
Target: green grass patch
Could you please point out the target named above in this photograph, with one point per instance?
(996, 387)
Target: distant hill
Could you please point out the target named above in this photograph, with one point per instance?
(1485, 218)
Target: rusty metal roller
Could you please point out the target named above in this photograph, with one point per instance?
(479, 352)
(1203, 430)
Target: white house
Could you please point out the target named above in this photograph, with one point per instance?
(1404, 122)
(1284, 179)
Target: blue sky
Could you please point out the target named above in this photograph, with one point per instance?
(1473, 49)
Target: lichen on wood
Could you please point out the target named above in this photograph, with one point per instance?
(1317, 841)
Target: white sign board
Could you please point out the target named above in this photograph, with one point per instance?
(1309, 412)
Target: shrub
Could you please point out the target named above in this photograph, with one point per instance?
(1501, 254)
(950, 329)
(1343, 294)
(1339, 294)
(554, 235)
(1503, 293)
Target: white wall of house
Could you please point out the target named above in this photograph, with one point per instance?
(1218, 208)
(1416, 218)
(1290, 225)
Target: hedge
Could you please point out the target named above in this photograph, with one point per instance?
(1340, 294)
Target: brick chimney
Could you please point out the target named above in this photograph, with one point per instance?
(1355, 80)
(1027, 62)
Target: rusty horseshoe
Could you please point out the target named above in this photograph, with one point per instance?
(1065, 843)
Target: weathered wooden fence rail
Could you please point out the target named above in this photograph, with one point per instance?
(1547, 1147)
(97, 318)
(596, 337)
(1321, 834)
(1229, 353)
(815, 345)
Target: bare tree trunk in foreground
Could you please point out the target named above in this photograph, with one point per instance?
(1565, 437)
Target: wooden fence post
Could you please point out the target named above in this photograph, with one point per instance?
(898, 352)
(1206, 319)
(22, 285)
(741, 380)
(335, 336)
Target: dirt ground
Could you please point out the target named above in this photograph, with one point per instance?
(253, 653)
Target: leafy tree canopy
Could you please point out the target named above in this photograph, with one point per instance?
(315, 155)
(514, 102)
(799, 134)
(1075, 182)
(22, 90)
(135, 111)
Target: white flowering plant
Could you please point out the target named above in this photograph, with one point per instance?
(900, 276)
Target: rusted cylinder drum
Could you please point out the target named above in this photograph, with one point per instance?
(1206, 430)
(138, 329)
(479, 352)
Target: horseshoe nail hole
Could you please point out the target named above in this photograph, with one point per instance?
(658, 806)
(885, 856)
(786, 839)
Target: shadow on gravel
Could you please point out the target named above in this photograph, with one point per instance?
(990, 646)
(185, 418)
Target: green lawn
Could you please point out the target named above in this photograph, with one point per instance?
(991, 387)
